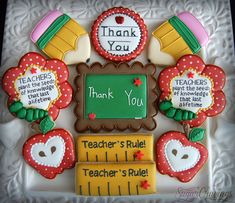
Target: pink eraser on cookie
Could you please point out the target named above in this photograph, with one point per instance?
(195, 26)
(44, 24)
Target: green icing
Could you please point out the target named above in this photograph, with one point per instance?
(15, 106)
(178, 115)
(52, 30)
(21, 113)
(46, 124)
(41, 113)
(29, 115)
(185, 115)
(185, 33)
(190, 115)
(115, 96)
(165, 105)
(36, 114)
(170, 113)
(196, 134)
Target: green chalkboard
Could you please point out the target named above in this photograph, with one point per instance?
(115, 96)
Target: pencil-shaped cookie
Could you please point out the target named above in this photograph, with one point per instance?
(61, 37)
(180, 35)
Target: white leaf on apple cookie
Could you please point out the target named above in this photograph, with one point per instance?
(49, 154)
(179, 157)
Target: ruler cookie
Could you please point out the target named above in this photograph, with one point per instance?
(114, 147)
(114, 179)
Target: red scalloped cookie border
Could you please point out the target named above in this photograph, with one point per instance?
(139, 21)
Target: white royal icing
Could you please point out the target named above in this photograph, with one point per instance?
(37, 90)
(191, 94)
(179, 157)
(51, 158)
(119, 39)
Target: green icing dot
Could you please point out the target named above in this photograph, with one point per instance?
(36, 114)
(178, 115)
(29, 115)
(21, 113)
(46, 124)
(170, 112)
(15, 106)
(165, 105)
(185, 115)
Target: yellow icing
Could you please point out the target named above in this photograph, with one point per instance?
(170, 41)
(114, 148)
(115, 178)
(65, 40)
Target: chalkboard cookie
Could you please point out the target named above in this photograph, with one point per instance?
(180, 35)
(115, 96)
(37, 89)
(119, 34)
(191, 91)
(178, 156)
(61, 37)
(51, 153)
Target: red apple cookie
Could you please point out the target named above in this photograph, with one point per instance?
(191, 91)
(179, 157)
(50, 153)
(37, 87)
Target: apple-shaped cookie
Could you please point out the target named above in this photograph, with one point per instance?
(179, 157)
(50, 153)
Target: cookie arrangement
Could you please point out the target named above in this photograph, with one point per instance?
(116, 95)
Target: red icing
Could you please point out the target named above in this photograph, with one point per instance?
(190, 75)
(138, 155)
(119, 19)
(145, 184)
(162, 163)
(56, 65)
(92, 116)
(67, 162)
(137, 82)
(33, 70)
(132, 14)
(215, 73)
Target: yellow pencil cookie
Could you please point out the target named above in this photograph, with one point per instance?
(61, 37)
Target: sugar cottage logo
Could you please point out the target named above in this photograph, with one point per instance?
(191, 194)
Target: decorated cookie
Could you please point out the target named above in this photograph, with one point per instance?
(115, 147)
(115, 179)
(51, 153)
(180, 157)
(115, 96)
(191, 91)
(180, 35)
(119, 34)
(61, 37)
(37, 89)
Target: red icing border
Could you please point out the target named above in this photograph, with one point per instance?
(55, 65)
(130, 13)
(214, 73)
(162, 163)
(67, 162)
